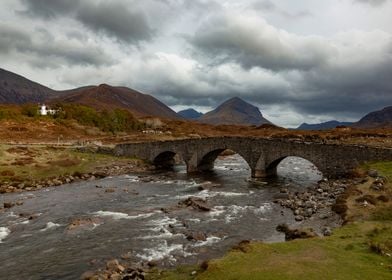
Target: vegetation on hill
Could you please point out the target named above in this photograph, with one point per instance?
(117, 120)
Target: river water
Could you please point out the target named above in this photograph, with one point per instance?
(125, 217)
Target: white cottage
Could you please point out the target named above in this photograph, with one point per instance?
(44, 110)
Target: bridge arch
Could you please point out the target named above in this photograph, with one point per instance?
(271, 167)
(205, 159)
(165, 159)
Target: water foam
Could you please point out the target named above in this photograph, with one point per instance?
(208, 242)
(132, 179)
(204, 194)
(162, 251)
(4, 232)
(160, 226)
(234, 212)
(119, 215)
(50, 225)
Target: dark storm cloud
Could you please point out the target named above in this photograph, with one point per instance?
(49, 8)
(43, 49)
(254, 43)
(118, 19)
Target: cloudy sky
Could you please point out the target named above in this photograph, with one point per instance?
(299, 61)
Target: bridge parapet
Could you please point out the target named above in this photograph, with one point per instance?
(262, 155)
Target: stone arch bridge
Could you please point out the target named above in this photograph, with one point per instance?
(262, 155)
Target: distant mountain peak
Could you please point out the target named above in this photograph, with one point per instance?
(190, 113)
(235, 111)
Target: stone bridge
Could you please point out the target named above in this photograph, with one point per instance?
(262, 155)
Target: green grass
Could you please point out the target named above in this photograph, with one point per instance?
(348, 254)
(384, 168)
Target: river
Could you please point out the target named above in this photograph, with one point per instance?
(126, 218)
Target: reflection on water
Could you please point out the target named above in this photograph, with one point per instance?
(130, 219)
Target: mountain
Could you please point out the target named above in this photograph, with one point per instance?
(109, 97)
(15, 89)
(377, 119)
(235, 111)
(323, 126)
(190, 114)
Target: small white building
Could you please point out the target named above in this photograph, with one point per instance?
(44, 110)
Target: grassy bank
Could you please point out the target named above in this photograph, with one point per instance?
(362, 249)
(34, 163)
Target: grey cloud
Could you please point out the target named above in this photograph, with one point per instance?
(254, 43)
(49, 8)
(122, 20)
(372, 2)
(117, 20)
(42, 46)
(268, 6)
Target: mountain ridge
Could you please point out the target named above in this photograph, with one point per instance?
(323, 126)
(16, 89)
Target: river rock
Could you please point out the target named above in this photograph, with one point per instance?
(368, 198)
(327, 231)
(8, 204)
(197, 236)
(82, 223)
(195, 203)
(126, 256)
(373, 173)
(324, 216)
(291, 234)
(114, 265)
(299, 218)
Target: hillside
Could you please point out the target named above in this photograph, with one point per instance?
(15, 89)
(377, 119)
(323, 126)
(108, 97)
(235, 111)
(190, 114)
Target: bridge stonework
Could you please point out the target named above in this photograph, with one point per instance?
(262, 155)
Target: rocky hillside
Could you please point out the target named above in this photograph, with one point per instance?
(190, 114)
(323, 126)
(235, 111)
(377, 119)
(109, 97)
(15, 89)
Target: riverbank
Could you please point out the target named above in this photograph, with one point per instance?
(361, 249)
(34, 167)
